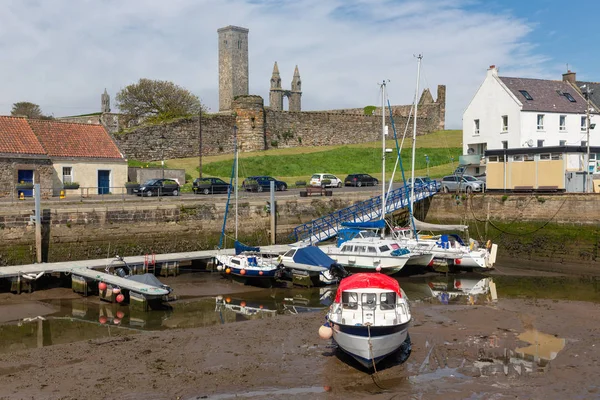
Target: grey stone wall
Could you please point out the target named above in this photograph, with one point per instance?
(43, 172)
(113, 122)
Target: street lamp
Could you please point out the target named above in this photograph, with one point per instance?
(162, 153)
(427, 161)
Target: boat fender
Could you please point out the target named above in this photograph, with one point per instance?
(488, 244)
(279, 259)
(325, 331)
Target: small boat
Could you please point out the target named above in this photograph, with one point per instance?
(369, 318)
(310, 266)
(249, 266)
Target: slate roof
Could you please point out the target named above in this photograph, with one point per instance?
(595, 97)
(17, 137)
(67, 139)
(545, 95)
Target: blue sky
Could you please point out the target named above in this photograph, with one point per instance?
(62, 54)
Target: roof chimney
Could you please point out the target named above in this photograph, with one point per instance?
(492, 70)
(569, 77)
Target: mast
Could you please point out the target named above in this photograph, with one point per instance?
(235, 182)
(383, 152)
(414, 140)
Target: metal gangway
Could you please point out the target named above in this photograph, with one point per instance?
(326, 227)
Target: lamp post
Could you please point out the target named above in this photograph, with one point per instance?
(200, 143)
(427, 161)
(162, 153)
(587, 92)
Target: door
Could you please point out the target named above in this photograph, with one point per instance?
(103, 181)
(25, 176)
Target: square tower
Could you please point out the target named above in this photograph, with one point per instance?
(233, 64)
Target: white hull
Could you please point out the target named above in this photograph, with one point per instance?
(422, 260)
(369, 351)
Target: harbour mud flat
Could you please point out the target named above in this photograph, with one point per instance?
(522, 348)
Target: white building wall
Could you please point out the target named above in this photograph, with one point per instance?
(489, 104)
(86, 172)
(551, 133)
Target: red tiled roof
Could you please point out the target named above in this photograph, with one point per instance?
(17, 137)
(66, 139)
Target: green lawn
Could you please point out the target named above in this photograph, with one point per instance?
(299, 163)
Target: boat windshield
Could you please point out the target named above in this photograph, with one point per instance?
(368, 234)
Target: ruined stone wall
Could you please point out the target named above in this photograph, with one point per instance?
(113, 122)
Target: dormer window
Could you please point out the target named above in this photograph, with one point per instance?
(569, 97)
(526, 94)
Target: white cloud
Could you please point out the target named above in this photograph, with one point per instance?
(62, 54)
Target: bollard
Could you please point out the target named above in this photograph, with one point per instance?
(62, 194)
(22, 196)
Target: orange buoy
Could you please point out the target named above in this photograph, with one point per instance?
(102, 319)
(261, 306)
(228, 300)
(120, 298)
(457, 261)
(120, 314)
(243, 272)
(228, 271)
(260, 273)
(243, 304)
(102, 286)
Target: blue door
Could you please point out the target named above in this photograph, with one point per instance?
(103, 181)
(25, 176)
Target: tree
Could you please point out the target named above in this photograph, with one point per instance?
(27, 109)
(157, 100)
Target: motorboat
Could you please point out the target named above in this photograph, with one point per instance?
(249, 266)
(369, 318)
(310, 266)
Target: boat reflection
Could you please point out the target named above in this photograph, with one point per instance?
(463, 290)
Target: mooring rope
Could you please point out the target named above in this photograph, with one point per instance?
(374, 376)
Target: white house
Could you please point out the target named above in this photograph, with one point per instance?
(532, 119)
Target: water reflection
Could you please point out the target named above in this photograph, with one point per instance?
(452, 289)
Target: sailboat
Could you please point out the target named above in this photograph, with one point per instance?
(248, 265)
(448, 250)
(359, 247)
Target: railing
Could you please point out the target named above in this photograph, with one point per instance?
(327, 226)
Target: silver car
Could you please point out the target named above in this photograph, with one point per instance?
(465, 183)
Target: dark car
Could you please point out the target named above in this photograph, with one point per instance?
(210, 185)
(262, 183)
(158, 187)
(359, 180)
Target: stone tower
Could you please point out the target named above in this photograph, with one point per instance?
(233, 65)
(105, 99)
(296, 92)
(276, 92)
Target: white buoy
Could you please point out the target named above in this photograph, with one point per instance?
(325, 332)
(378, 269)
(219, 268)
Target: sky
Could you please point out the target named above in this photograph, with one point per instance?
(62, 54)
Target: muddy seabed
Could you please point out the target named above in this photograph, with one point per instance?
(458, 352)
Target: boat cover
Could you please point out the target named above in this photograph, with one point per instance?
(426, 226)
(148, 279)
(379, 224)
(367, 280)
(240, 248)
(312, 255)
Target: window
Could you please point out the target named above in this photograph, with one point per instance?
(540, 122)
(529, 157)
(518, 157)
(371, 249)
(545, 156)
(384, 248)
(369, 300)
(505, 144)
(387, 301)
(67, 174)
(562, 125)
(562, 142)
(569, 97)
(526, 94)
(556, 156)
(584, 123)
(476, 130)
(493, 159)
(583, 143)
(505, 123)
(350, 300)
(540, 143)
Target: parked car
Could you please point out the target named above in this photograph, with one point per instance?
(158, 187)
(465, 183)
(425, 180)
(262, 183)
(317, 180)
(210, 186)
(359, 180)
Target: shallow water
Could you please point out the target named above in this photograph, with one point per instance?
(87, 318)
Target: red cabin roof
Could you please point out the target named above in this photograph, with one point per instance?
(367, 280)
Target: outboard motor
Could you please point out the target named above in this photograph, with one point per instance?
(338, 271)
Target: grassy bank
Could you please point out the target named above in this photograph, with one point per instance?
(299, 163)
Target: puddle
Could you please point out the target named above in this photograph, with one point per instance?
(266, 393)
(88, 318)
